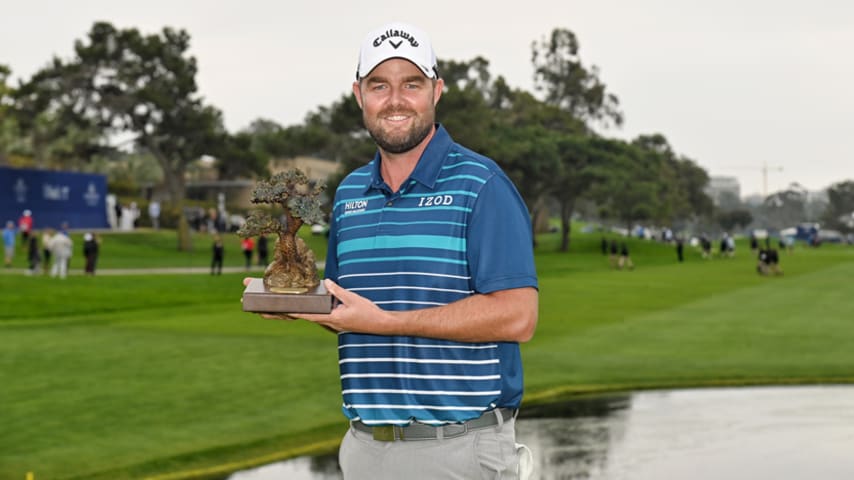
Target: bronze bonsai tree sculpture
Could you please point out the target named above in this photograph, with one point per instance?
(294, 268)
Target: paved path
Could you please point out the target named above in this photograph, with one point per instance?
(255, 270)
(142, 271)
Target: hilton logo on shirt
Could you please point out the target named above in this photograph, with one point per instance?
(355, 206)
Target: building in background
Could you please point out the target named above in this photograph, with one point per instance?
(205, 186)
(724, 191)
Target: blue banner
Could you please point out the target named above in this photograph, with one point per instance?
(54, 198)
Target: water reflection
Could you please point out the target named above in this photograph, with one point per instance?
(570, 439)
(324, 467)
(749, 433)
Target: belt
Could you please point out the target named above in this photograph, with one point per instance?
(422, 431)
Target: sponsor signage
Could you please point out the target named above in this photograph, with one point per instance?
(54, 197)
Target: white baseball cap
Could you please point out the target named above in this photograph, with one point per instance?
(397, 40)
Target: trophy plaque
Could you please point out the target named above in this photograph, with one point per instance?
(258, 298)
(290, 283)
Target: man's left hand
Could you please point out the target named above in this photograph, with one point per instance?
(354, 312)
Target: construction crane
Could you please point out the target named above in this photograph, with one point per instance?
(764, 169)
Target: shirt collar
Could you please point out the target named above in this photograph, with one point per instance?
(429, 165)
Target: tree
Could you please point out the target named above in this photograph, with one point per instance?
(681, 182)
(51, 134)
(568, 84)
(630, 190)
(8, 124)
(732, 220)
(840, 210)
(785, 208)
(504, 124)
(572, 88)
(335, 133)
(464, 108)
(583, 165)
(235, 157)
(293, 266)
(529, 156)
(121, 81)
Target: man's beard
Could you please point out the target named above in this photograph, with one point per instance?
(410, 139)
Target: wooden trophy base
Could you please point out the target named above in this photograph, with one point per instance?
(259, 299)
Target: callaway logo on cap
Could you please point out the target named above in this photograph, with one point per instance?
(397, 40)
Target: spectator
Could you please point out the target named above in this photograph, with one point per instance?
(218, 254)
(625, 260)
(706, 246)
(790, 244)
(247, 245)
(212, 220)
(614, 251)
(61, 248)
(47, 234)
(680, 248)
(154, 214)
(33, 253)
(9, 243)
(25, 225)
(774, 262)
(134, 215)
(769, 262)
(90, 251)
(262, 251)
(119, 209)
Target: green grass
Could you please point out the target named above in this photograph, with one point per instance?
(162, 376)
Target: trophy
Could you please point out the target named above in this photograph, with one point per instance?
(290, 283)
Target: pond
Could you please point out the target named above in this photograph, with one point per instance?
(736, 433)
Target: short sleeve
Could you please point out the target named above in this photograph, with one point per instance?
(499, 242)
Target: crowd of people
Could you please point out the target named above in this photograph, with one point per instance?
(50, 252)
(767, 254)
(618, 255)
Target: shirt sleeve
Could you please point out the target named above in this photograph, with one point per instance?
(499, 241)
(330, 269)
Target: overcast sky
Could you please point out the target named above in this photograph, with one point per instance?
(733, 84)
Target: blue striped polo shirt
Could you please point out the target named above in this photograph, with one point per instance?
(456, 227)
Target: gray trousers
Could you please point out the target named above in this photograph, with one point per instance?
(488, 454)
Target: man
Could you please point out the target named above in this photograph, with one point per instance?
(61, 248)
(154, 214)
(248, 246)
(218, 254)
(430, 256)
(263, 253)
(9, 243)
(90, 252)
(25, 225)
